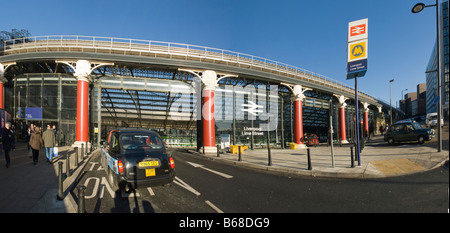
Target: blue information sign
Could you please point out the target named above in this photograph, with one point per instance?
(33, 113)
(358, 68)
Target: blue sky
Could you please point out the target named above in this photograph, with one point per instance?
(307, 34)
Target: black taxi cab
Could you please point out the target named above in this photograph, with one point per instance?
(408, 130)
(135, 158)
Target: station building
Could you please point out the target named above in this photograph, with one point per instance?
(191, 95)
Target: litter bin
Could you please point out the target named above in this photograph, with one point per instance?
(234, 149)
(294, 146)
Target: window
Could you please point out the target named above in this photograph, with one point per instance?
(416, 125)
(398, 128)
(114, 141)
(141, 140)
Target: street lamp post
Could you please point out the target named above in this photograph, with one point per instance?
(403, 99)
(402, 93)
(416, 9)
(390, 99)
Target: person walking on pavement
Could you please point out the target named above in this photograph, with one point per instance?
(36, 143)
(49, 142)
(27, 137)
(8, 141)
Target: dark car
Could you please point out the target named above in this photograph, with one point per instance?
(408, 131)
(134, 157)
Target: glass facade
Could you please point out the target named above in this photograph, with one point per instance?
(431, 74)
(46, 99)
(167, 102)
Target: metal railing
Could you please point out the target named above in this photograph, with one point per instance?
(75, 43)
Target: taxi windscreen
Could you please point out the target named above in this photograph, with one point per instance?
(134, 141)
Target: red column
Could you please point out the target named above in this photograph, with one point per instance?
(298, 122)
(209, 130)
(343, 134)
(366, 123)
(82, 132)
(2, 101)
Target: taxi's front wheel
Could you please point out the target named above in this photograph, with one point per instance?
(390, 141)
(421, 139)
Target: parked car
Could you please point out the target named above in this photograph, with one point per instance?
(408, 131)
(133, 158)
(431, 120)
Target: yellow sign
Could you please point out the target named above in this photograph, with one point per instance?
(357, 50)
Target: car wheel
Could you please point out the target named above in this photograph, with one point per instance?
(390, 141)
(421, 139)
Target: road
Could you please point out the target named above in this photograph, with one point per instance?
(205, 186)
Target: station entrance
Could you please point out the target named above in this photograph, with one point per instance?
(152, 103)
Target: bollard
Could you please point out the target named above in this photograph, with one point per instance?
(81, 205)
(86, 149)
(218, 151)
(240, 156)
(309, 159)
(351, 157)
(68, 164)
(76, 156)
(269, 156)
(82, 152)
(60, 195)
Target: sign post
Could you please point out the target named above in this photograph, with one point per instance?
(357, 53)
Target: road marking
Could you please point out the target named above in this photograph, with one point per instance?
(150, 190)
(214, 207)
(93, 165)
(196, 165)
(181, 183)
(95, 190)
(108, 188)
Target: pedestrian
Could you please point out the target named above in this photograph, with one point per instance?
(13, 130)
(381, 129)
(49, 142)
(36, 143)
(8, 140)
(27, 137)
(54, 132)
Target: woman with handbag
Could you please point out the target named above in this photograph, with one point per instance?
(36, 143)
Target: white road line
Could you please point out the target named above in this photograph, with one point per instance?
(181, 183)
(92, 166)
(150, 190)
(214, 207)
(218, 173)
(210, 170)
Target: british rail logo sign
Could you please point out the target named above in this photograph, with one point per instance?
(358, 30)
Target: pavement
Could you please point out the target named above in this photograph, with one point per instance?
(378, 160)
(28, 188)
